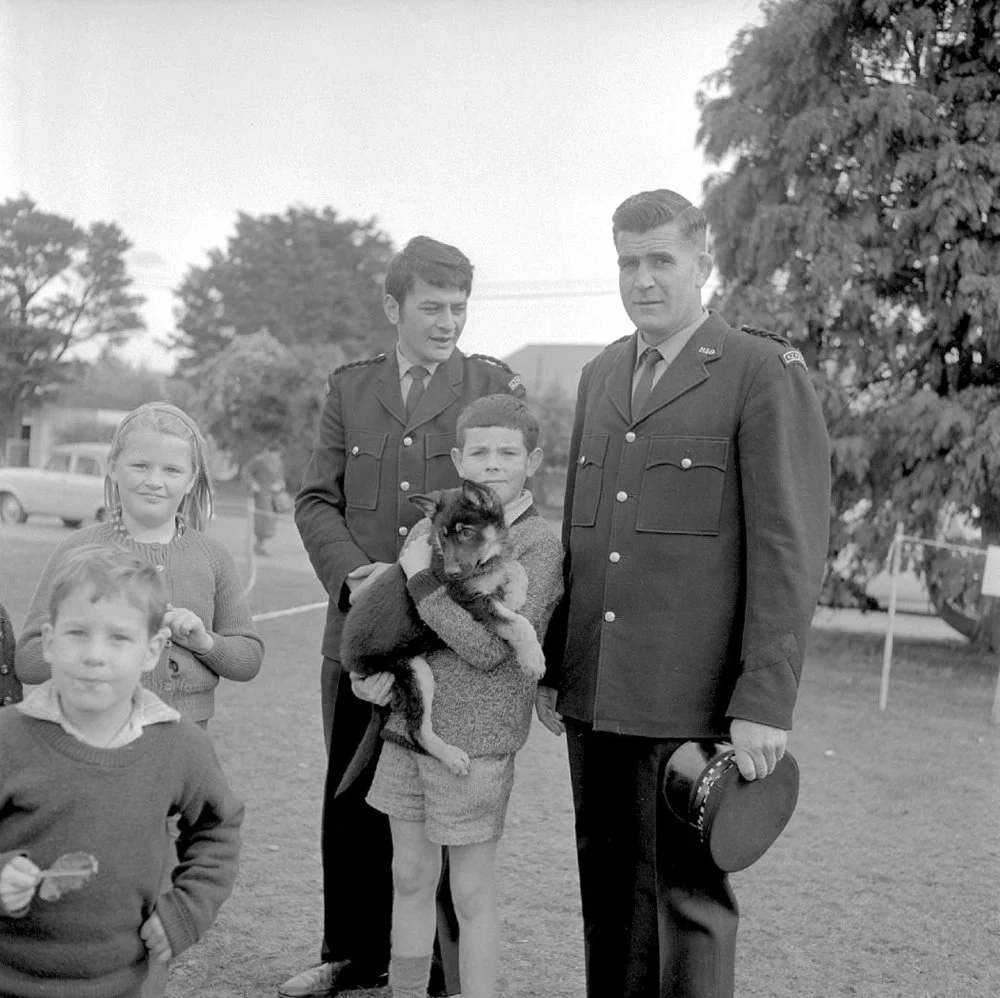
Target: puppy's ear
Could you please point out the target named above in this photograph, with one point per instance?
(480, 496)
(428, 504)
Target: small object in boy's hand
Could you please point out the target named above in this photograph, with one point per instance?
(68, 873)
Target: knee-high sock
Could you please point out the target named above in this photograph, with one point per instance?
(408, 976)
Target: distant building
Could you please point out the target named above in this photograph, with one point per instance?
(543, 364)
(52, 424)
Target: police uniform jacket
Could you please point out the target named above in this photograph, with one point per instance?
(696, 537)
(353, 507)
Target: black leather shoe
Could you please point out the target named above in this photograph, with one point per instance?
(328, 979)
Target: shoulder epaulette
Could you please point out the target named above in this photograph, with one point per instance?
(358, 363)
(495, 361)
(766, 334)
(788, 356)
(515, 385)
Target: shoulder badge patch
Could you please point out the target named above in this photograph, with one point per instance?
(516, 387)
(790, 357)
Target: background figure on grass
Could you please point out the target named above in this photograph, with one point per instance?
(93, 767)
(264, 476)
(482, 704)
(160, 500)
(386, 431)
(695, 525)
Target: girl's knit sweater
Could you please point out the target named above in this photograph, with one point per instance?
(60, 795)
(482, 699)
(201, 576)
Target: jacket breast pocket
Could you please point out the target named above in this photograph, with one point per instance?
(362, 468)
(682, 485)
(439, 470)
(588, 478)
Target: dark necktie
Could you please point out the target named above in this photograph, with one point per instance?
(650, 357)
(416, 392)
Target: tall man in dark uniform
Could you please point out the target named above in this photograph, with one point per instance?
(695, 526)
(386, 433)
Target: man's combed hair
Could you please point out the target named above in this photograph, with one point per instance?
(438, 264)
(110, 573)
(498, 410)
(648, 209)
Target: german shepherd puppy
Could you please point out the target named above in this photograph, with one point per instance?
(384, 633)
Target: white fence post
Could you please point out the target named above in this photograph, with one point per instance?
(251, 557)
(897, 550)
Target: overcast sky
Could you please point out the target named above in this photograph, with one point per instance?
(511, 128)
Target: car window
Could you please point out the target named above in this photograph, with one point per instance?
(58, 462)
(87, 466)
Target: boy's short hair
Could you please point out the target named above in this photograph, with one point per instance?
(499, 410)
(649, 209)
(108, 573)
(436, 263)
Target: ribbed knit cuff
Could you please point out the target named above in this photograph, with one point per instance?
(177, 923)
(423, 584)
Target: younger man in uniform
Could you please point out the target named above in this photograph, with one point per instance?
(386, 432)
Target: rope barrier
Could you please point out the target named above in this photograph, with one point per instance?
(923, 542)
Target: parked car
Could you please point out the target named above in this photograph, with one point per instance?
(70, 486)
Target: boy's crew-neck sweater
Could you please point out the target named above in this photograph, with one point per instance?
(201, 576)
(482, 700)
(60, 795)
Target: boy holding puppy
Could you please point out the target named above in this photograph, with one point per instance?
(91, 766)
(482, 704)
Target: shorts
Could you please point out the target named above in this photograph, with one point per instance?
(455, 810)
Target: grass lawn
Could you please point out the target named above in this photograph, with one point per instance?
(886, 883)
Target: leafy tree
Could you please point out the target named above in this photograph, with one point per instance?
(306, 278)
(858, 211)
(554, 410)
(257, 390)
(60, 286)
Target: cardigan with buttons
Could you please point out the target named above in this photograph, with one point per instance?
(201, 576)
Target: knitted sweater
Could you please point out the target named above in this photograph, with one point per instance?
(60, 795)
(482, 699)
(201, 576)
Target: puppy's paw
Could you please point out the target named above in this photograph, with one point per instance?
(532, 660)
(457, 761)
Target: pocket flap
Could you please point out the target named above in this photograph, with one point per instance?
(689, 452)
(366, 442)
(592, 450)
(439, 444)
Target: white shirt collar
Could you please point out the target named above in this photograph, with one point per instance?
(42, 703)
(405, 365)
(670, 346)
(517, 506)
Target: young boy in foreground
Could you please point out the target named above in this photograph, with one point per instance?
(91, 766)
(482, 703)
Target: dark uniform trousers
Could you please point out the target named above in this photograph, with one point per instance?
(659, 919)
